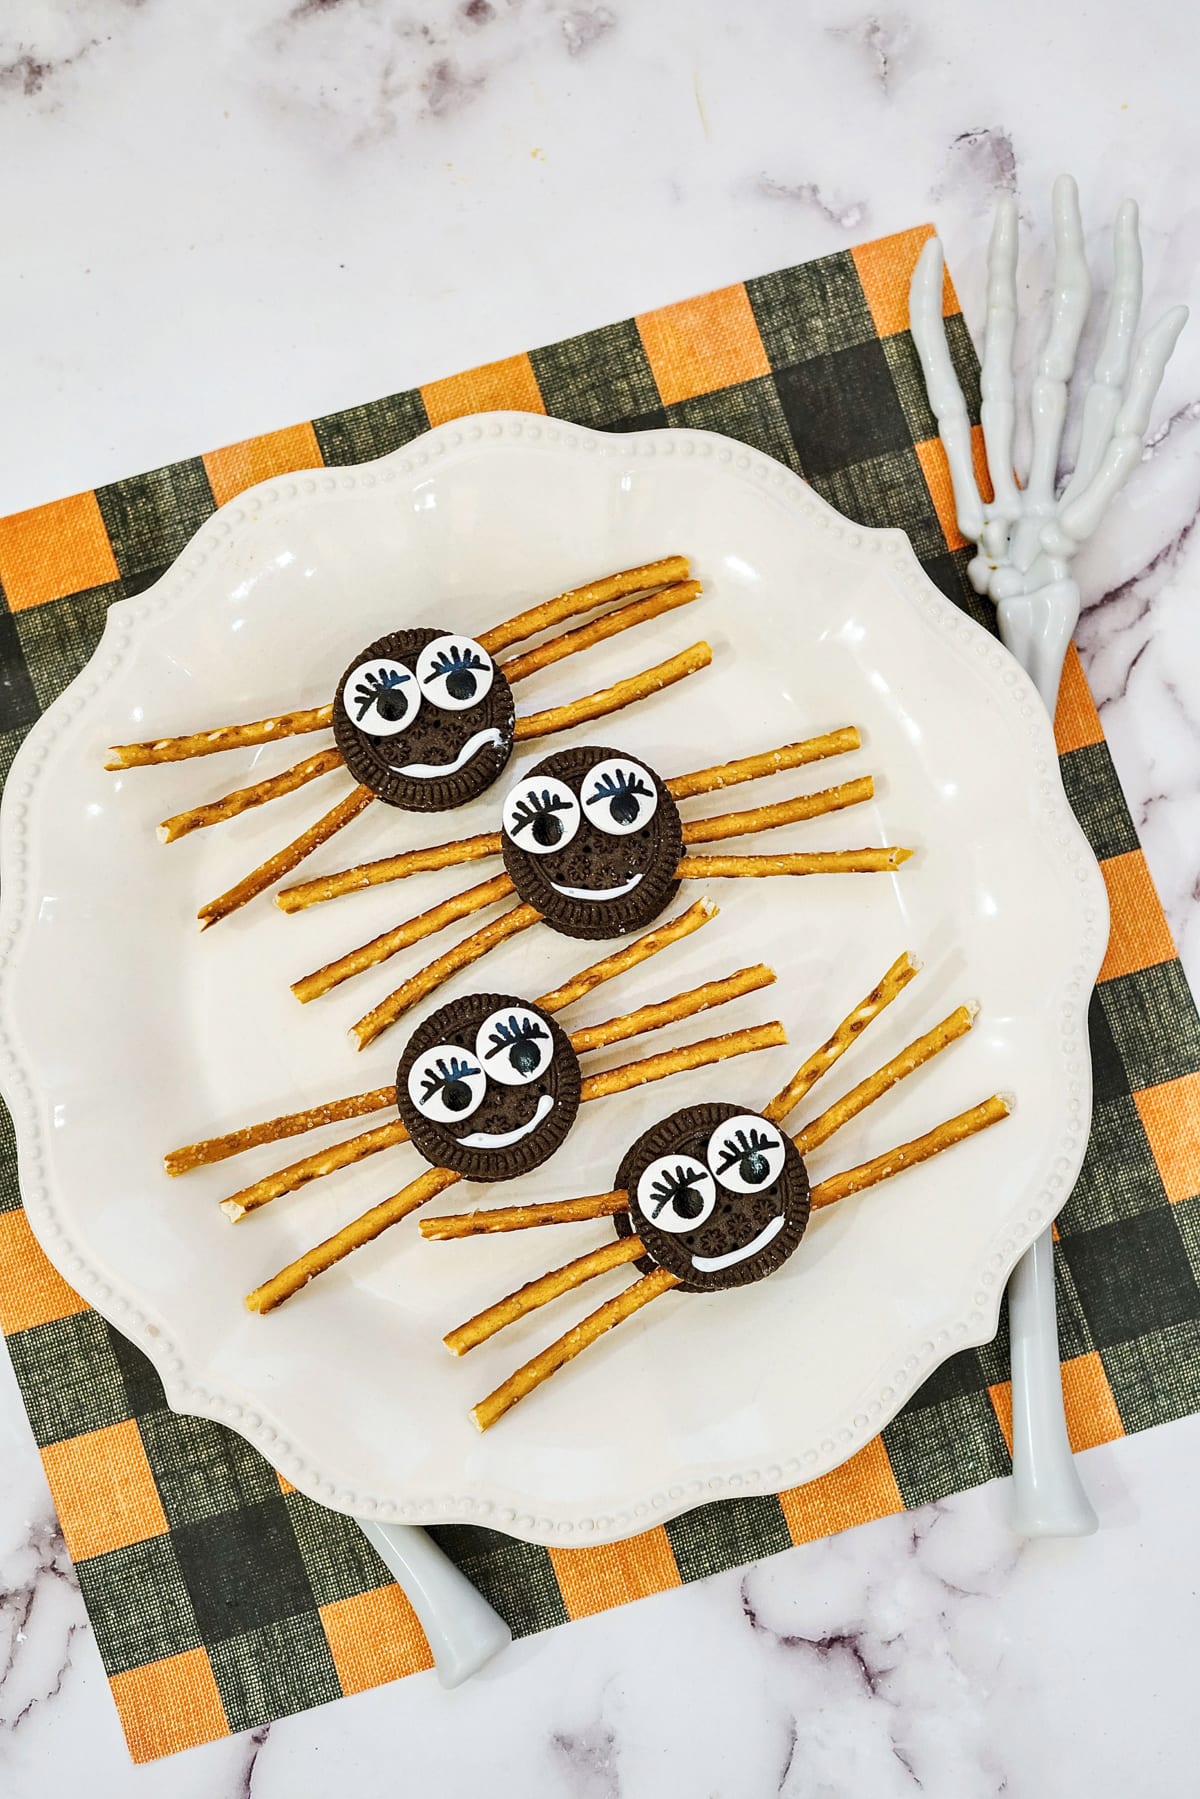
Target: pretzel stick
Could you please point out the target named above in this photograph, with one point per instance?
(771, 762)
(621, 618)
(612, 699)
(568, 1346)
(896, 979)
(907, 1155)
(540, 1292)
(787, 812)
(225, 737)
(819, 862)
(292, 1124)
(231, 805)
(523, 1218)
(630, 955)
(430, 978)
(267, 873)
(537, 618)
(671, 1011)
(909, 1059)
(679, 1061)
(390, 943)
(313, 1168)
(362, 1230)
(388, 868)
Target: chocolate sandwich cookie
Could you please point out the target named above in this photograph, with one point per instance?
(424, 719)
(718, 1195)
(488, 1086)
(592, 838)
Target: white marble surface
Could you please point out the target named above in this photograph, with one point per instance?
(224, 219)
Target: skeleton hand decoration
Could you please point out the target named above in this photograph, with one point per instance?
(1027, 534)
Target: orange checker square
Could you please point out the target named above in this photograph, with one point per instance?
(931, 455)
(103, 1490)
(1076, 720)
(285, 1485)
(54, 550)
(885, 269)
(592, 1580)
(1170, 1116)
(239, 466)
(509, 385)
(861, 1489)
(698, 346)
(1139, 935)
(1092, 1415)
(169, 1705)
(374, 1638)
(31, 1291)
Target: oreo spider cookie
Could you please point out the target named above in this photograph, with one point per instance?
(592, 838)
(718, 1195)
(488, 1086)
(424, 719)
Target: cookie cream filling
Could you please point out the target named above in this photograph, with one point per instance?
(601, 893)
(500, 1139)
(429, 771)
(710, 1264)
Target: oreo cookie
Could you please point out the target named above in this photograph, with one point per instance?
(488, 1086)
(592, 838)
(718, 1195)
(424, 719)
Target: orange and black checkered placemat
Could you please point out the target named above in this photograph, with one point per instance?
(221, 1598)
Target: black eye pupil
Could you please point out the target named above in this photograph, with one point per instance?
(547, 829)
(456, 1095)
(524, 1056)
(461, 684)
(755, 1168)
(624, 808)
(688, 1203)
(391, 705)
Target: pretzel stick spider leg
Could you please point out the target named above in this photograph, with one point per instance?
(243, 799)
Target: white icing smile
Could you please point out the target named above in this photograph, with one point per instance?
(597, 893)
(429, 771)
(500, 1139)
(710, 1264)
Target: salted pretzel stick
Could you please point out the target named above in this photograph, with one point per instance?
(225, 737)
(612, 699)
(902, 971)
(671, 1011)
(568, 1346)
(540, 1292)
(314, 1167)
(786, 812)
(390, 943)
(907, 1155)
(523, 1218)
(621, 618)
(818, 862)
(593, 594)
(431, 977)
(679, 1061)
(363, 1230)
(821, 1129)
(272, 1130)
(630, 955)
(388, 868)
(770, 762)
(231, 805)
(267, 873)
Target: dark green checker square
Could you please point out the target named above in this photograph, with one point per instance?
(143, 1389)
(150, 518)
(751, 413)
(904, 363)
(957, 1376)
(201, 1469)
(842, 409)
(1097, 800)
(601, 378)
(995, 1356)
(948, 572)
(810, 310)
(882, 490)
(243, 1569)
(935, 1450)
(363, 432)
(1075, 1334)
(1152, 1017)
(19, 705)
(58, 639)
(726, 1534)
(69, 1378)
(1133, 1277)
(339, 1560)
(10, 1192)
(1109, 1079)
(1156, 1377)
(138, 1605)
(517, 1578)
(270, 1672)
(10, 743)
(1186, 1213)
(1119, 1177)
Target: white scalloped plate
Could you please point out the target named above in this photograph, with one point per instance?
(125, 1032)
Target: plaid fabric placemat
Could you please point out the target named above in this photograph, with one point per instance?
(221, 1598)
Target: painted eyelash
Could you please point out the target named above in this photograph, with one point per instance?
(450, 661)
(608, 788)
(741, 1146)
(515, 1031)
(527, 811)
(372, 685)
(457, 1071)
(669, 1186)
